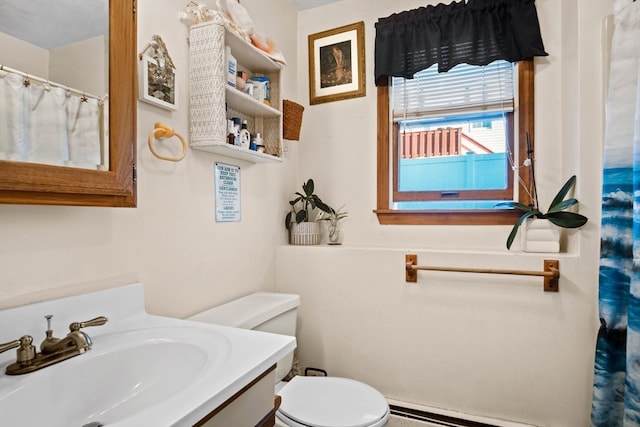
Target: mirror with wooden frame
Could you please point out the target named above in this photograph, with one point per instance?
(42, 184)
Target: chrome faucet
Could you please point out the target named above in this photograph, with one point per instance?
(52, 350)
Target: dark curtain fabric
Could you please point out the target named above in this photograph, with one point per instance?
(477, 33)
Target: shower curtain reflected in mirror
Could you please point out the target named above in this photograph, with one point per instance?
(46, 124)
(616, 393)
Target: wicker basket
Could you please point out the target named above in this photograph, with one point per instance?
(291, 120)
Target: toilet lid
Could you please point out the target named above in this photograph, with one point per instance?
(332, 402)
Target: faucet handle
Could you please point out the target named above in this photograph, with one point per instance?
(26, 351)
(9, 345)
(98, 321)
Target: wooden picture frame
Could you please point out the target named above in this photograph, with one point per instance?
(156, 88)
(337, 64)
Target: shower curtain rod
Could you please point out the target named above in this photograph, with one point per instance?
(50, 83)
(551, 273)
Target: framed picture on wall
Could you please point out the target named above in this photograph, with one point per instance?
(337, 64)
(157, 85)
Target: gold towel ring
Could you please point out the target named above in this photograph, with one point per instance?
(162, 131)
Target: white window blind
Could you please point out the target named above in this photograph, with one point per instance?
(464, 89)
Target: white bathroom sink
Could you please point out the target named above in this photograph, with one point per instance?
(142, 371)
(124, 374)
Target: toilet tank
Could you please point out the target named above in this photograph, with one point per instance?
(261, 311)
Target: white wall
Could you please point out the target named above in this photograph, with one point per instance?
(496, 346)
(171, 241)
(468, 343)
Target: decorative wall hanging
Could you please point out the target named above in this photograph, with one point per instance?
(157, 76)
(337, 64)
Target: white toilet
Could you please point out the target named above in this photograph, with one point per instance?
(306, 401)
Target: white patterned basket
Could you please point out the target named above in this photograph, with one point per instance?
(305, 233)
(207, 83)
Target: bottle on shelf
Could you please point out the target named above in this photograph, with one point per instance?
(236, 130)
(245, 136)
(231, 133)
(232, 67)
(258, 143)
(263, 81)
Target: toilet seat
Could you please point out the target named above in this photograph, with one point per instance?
(331, 402)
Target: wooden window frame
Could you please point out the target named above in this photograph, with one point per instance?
(386, 176)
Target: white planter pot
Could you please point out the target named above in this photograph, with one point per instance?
(540, 235)
(305, 233)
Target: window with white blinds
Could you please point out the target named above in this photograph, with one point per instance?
(463, 89)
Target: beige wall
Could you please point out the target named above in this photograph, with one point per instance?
(496, 346)
(171, 241)
(23, 56)
(474, 344)
(82, 65)
(78, 65)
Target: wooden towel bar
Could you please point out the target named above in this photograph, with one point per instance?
(551, 273)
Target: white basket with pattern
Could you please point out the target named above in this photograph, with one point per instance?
(207, 83)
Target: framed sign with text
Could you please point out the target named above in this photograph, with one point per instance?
(227, 183)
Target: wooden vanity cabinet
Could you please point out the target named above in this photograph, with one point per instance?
(254, 405)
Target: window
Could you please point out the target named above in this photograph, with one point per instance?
(454, 137)
(445, 156)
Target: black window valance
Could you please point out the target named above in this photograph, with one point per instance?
(477, 32)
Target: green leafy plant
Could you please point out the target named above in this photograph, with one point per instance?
(556, 213)
(557, 209)
(303, 204)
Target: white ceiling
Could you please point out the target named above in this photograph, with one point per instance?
(309, 4)
(51, 24)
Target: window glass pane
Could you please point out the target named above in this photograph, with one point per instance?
(452, 133)
(462, 152)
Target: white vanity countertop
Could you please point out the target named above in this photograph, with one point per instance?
(236, 357)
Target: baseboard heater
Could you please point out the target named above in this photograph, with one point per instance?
(425, 418)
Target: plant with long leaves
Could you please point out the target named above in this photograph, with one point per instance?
(333, 216)
(556, 213)
(303, 204)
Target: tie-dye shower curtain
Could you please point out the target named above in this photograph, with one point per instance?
(616, 395)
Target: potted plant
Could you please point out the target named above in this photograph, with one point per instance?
(556, 214)
(302, 230)
(334, 227)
